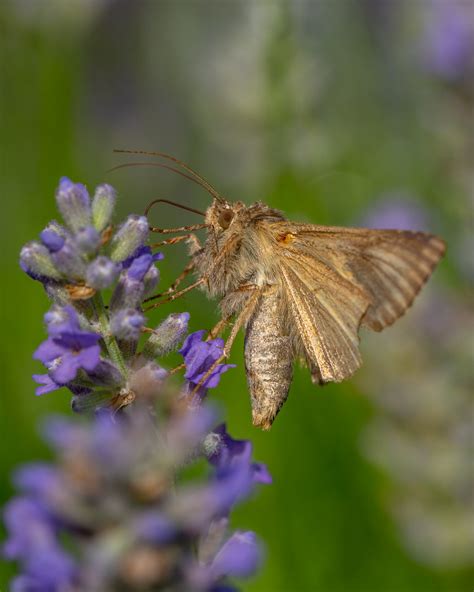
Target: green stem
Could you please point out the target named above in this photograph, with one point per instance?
(110, 342)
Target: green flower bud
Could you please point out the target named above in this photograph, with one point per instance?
(167, 336)
(131, 235)
(103, 205)
(36, 260)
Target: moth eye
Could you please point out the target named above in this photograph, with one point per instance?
(225, 218)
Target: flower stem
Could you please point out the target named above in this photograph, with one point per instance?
(110, 342)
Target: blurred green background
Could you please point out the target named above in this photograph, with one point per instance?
(339, 112)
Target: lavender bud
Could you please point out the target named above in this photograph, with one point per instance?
(128, 293)
(239, 557)
(73, 203)
(55, 317)
(131, 235)
(53, 237)
(147, 381)
(69, 262)
(105, 374)
(103, 205)
(127, 324)
(101, 273)
(167, 336)
(35, 258)
(87, 240)
(150, 281)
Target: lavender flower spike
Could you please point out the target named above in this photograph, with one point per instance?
(119, 495)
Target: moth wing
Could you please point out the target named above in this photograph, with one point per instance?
(389, 266)
(268, 360)
(327, 310)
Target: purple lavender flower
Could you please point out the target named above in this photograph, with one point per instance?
(228, 452)
(68, 349)
(448, 43)
(33, 542)
(199, 356)
(118, 480)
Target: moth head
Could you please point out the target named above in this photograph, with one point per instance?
(221, 214)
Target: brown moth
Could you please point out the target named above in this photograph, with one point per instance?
(301, 291)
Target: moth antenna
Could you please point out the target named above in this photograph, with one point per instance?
(172, 203)
(182, 164)
(159, 165)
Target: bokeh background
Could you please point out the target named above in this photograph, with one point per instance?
(341, 112)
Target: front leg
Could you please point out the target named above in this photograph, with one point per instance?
(195, 247)
(242, 318)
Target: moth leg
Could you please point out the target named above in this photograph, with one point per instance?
(171, 241)
(242, 318)
(176, 295)
(186, 271)
(218, 328)
(179, 229)
(191, 238)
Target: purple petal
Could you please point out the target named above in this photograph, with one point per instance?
(190, 341)
(214, 378)
(239, 557)
(142, 250)
(139, 267)
(62, 319)
(77, 340)
(37, 478)
(261, 474)
(29, 527)
(89, 358)
(48, 384)
(67, 369)
(48, 351)
(52, 240)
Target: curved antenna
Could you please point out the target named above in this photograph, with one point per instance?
(160, 165)
(172, 203)
(182, 164)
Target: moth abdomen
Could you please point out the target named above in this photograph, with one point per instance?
(268, 360)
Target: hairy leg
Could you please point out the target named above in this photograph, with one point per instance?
(175, 295)
(241, 319)
(179, 229)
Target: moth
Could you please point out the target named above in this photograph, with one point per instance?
(300, 291)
